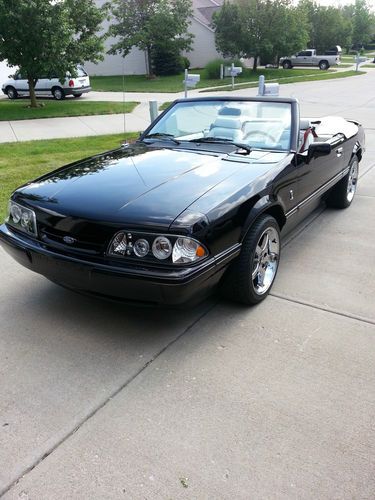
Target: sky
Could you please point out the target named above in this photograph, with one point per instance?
(370, 3)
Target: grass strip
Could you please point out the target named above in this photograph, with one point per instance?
(28, 160)
(19, 110)
(139, 83)
(295, 79)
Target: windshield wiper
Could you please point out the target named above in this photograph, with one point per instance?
(217, 140)
(161, 135)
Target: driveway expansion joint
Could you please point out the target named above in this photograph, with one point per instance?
(101, 405)
(327, 309)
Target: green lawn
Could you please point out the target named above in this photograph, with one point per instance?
(28, 160)
(139, 83)
(368, 66)
(19, 110)
(321, 75)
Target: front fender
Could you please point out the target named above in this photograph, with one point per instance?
(267, 205)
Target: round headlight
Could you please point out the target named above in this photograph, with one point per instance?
(25, 219)
(141, 247)
(187, 250)
(16, 213)
(161, 247)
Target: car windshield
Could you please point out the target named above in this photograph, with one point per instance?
(258, 124)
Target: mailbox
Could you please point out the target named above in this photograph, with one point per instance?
(191, 80)
(271, 89)
(232, 70)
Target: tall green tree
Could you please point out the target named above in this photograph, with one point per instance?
(148, 24)
(259, 28)
(363, 23)
(49, 38)
(328, 26)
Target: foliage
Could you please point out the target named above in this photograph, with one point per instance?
(49, 38)
(328, 26)
(166, 60)
(363, 23)
(185, 62)
(243, 28)
(146, 24)
(212, 68)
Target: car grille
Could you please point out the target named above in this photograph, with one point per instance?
(54, 238)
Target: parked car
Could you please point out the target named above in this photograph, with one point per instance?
(310, 58)
(200, 201)
(18, 86)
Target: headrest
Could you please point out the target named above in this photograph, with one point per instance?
(225, 111)
(304, 123)
(227, 123)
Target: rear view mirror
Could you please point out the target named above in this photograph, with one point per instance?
(319, 149)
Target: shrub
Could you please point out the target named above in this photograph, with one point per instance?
(185, 62)
(212, 69)
(167, 61)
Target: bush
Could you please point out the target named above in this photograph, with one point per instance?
(185, 62)
(212, 69)
(167, 61)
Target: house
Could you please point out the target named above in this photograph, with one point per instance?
(203, 48)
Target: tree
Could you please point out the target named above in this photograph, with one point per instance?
(328, 26)
(259, 28)
(147, 24)
(49, 38)
(363, 23)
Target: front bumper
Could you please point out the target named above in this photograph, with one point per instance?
(146, 285)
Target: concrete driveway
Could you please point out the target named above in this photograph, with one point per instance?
(104, 401)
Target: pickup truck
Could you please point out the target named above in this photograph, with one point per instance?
(310, 58)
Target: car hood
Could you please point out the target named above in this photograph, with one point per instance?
(141, 185)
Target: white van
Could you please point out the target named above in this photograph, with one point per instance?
(17, 86)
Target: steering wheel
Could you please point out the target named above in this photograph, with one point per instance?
(268, 137)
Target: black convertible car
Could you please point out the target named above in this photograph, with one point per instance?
(198, 202)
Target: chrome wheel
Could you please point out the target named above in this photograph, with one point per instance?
(352, 181)
(266, 260)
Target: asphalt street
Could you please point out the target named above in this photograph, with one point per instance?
(104, 401)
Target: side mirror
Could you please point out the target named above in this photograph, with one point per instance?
(319, 149)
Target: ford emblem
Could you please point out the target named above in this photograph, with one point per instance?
(69, 240)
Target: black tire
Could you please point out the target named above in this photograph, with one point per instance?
(11, 93)
(77, 95)
(287, 65)
(241, 281)
(58, 93)
(342, 194)
(324, 65)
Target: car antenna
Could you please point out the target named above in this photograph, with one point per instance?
(125, 143)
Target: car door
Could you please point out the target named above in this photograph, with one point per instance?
(43, 86)
(21, 84)
(316, 175)
(304, 58)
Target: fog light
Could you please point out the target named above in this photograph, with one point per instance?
(161, 247)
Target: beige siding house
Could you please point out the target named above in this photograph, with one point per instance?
(203, 49)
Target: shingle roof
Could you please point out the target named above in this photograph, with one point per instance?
(203, 10)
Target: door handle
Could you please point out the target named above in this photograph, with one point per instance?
(339, 152)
